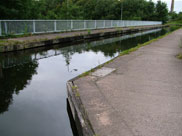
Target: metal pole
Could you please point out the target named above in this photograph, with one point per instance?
(67, 9)
(55, 26)
(121, 10)
(6, 29)
(71, 24)
(84, 24)
(172, 6)
(111, 23)
(33, 26)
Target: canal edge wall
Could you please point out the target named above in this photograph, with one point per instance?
(69, 39)
(78, 111)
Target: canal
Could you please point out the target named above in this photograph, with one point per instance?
(33, 82)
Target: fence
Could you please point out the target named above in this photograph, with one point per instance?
(15, 27)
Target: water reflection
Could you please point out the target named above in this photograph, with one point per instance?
(41, 74)
(104, 46)
(18, 78)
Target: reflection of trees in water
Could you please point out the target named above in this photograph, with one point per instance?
(1, 71)
(108, 50)
(14, 80)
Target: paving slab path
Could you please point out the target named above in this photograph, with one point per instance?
(142, 96)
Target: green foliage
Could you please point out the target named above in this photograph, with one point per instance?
(175, 18)
(174, 27)
(161, 11)
(179, 56)
(83, 9)
(89, 31)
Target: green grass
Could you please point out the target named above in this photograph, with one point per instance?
(15, 36)
(179, 22)
(89, 31)
(179, 56)
(75, 89)
(77, 94)
(5, 42)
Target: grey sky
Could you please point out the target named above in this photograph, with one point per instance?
(177, 6)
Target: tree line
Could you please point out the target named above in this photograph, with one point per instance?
(84, 9)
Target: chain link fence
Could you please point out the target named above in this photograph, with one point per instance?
(17, 27)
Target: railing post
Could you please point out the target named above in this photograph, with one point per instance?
(84, 24)
(104, 23)
(111, 23)
(5, 27)
(0, 29)
(71, 24)
(55, 26)
(34, 26)
(95, 24)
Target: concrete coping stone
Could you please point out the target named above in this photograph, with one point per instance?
(104, 71)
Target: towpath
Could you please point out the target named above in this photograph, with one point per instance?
(142, 96)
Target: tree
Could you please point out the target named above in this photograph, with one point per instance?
(149, 11)
(15, 9)
(161, 11)
(83, 9)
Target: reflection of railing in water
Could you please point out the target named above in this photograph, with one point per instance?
(8, 62)
(1, 72)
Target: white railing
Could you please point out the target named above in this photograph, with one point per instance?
(14, 27)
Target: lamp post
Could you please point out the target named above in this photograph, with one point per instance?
(67, 9)
(121, 8)
(172, 6)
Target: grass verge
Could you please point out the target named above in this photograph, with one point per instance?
(179, 56)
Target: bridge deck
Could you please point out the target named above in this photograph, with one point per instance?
(142, 96)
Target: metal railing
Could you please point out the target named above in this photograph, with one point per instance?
(15, 27)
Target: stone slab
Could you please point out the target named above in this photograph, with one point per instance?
(104, 71)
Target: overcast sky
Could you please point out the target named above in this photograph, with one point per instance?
(177, 6)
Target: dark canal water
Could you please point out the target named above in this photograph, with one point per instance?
(33, 83)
